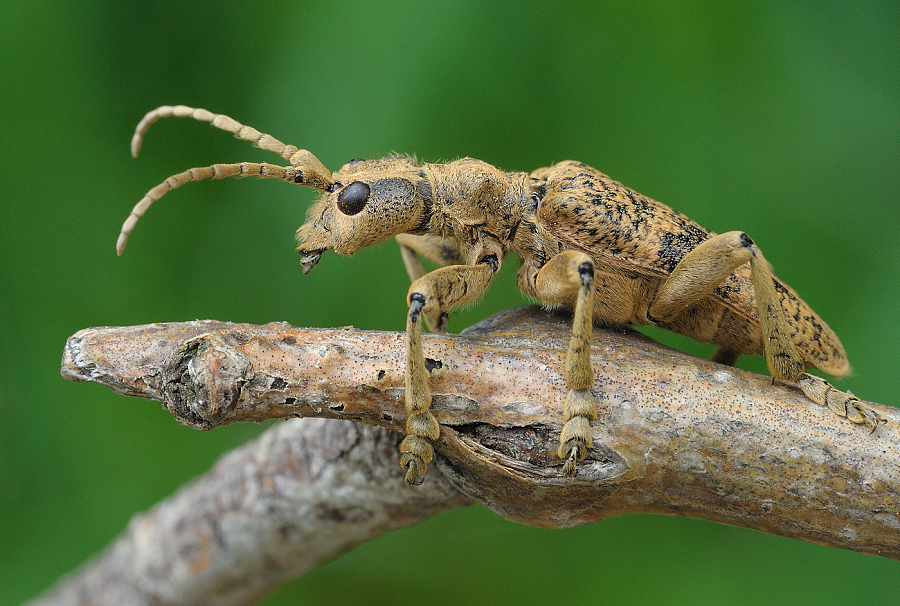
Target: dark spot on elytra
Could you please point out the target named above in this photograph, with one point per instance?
(673, 246)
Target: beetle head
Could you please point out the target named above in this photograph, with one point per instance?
(368, 202)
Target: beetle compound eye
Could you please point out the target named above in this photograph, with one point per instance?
(353, 199)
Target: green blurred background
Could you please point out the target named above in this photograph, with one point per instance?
(778, 118)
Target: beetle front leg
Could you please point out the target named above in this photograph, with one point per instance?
(434, 248)
(569, 273)
(432, 296)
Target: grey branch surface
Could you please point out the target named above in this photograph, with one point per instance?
(676, 435)
(301, 494)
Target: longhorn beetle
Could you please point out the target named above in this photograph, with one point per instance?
(586, 242)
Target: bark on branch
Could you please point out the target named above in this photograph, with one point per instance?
(676, 434)
(301, 494)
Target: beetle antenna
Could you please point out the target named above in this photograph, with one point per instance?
(305, 168)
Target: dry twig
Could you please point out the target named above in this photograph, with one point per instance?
(676, 435)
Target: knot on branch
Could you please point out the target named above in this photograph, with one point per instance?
(202, 380)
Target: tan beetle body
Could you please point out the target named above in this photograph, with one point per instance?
(646, 240)
(474, 208)
(585, 242)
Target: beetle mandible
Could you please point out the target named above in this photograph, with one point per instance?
(585, 242)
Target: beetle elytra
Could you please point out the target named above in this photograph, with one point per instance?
(585, 242)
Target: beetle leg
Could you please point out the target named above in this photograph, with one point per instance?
(434, 248)
(700, 272)
(785, 362)
(705, 268)
(841, 403)
(433, 295)
(725, 356)
(572, 273)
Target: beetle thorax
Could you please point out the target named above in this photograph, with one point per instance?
(477, 205)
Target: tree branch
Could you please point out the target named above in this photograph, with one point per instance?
(676, 434)
(301, 494)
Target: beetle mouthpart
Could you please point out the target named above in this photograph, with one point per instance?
(310, 259)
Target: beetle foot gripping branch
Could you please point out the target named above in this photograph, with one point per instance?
(585, 242)
(783, 357)
(841, 403)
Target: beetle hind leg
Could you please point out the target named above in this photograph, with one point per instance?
(704, 268)
(841, 403)
(785, 362)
